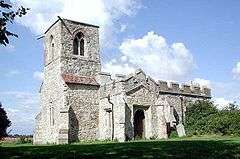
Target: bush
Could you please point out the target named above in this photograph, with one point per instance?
(203, 118)
(24, 140)
(173, 134)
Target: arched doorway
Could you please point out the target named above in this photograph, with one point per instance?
(139, 124)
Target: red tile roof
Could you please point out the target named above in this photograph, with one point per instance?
(74, 79)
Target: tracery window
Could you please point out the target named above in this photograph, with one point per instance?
(78, 44)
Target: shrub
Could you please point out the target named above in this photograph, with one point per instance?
(173, 134)
(24, 140)
(204, 118)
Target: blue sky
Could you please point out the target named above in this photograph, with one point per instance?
(198, 40)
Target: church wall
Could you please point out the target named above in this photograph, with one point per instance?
(112, 95)
(129, 127)
(159, 129)
(119, 116)
(176, 108)
(87, 65)
(51, 93)
(105, 119)
(83, 101)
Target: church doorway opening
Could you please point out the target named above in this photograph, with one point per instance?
(139, 124)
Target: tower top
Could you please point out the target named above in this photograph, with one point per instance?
(74, 47)
(72, 21)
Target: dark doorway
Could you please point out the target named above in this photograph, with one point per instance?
(139, 124)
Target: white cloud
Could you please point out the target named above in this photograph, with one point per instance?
(114, 68)
(221, 103)
(155, 56)
(201, 82)
(228, 90)
(21, 109)
(105, 13)
(236, 71)
(38, 75)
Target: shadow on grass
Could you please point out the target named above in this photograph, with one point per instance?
(155, 149)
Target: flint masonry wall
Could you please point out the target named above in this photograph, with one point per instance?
(64, 105)
(52, 89)
(83, 112)
(82, 99)
(160, 102)
(87, 65)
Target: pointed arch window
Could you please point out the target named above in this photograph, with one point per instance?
(78, 44)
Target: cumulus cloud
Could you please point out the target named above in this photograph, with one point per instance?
(221, 102)
(21, 108)
(236, 71)
(38, 75)
(155, 56)
(104, 13)
(114, 68)
(201, 82)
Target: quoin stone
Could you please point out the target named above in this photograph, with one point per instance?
(79, 102)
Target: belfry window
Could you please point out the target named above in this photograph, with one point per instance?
(78, 44)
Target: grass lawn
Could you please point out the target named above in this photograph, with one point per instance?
(196, 148)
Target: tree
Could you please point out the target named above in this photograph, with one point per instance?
(4, 122)
(7, 15)
(203, 118)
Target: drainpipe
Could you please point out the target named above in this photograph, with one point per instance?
(182, 111)
(109, 100)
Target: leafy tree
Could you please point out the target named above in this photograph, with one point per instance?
(4, 122)
(195, 115)
(202, 117)
(7, 15)
(232, 107)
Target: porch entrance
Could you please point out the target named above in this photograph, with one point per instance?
(139, 124)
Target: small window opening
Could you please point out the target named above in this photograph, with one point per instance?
(52, 49)
(78, 44)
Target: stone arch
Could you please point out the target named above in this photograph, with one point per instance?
(78, 44)
(139, 124)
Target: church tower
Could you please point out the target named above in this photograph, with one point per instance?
(76, 44)
(69, 92)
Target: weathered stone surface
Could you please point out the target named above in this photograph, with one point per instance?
(181, 130)
(79, 102)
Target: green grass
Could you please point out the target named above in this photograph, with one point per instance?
(195, 147)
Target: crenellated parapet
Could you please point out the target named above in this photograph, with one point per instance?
(132, 81)
(183, 89)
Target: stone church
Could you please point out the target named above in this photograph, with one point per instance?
(79, 102)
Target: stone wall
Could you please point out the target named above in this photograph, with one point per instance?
(83, 104)
(164, 105)
(52, 90)
(87, 65)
